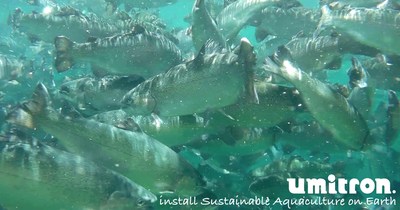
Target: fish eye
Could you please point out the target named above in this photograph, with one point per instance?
(140, 202)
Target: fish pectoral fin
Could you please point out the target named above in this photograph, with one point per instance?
(198, 61)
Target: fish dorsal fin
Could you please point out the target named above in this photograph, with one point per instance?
(198, 61)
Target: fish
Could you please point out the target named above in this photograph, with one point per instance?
(93, 95)
(234, 141)
(31, 171)
(237, 14)
(315, 54)
(313, 136)
(358, 22)
(139, 52)
(204, 27)
(271, 19)
(170, 131)
(133, 154)
(277, 104)
(330, 108)
(67, 21)
(221, 78)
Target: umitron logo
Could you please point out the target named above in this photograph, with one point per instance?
(339, 186)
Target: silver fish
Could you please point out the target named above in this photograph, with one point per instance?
(234, 141)
(93, 95)
(372, 27)
(294, 20)
(135, 155)
(31, 171)
(139, 52)
(170, 131)
(237, 14)
(313, 137)
(204, 27)
(327, 106)
(220, 79)
(67, 21)
(276, 104)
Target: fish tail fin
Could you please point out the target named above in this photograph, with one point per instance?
(24, 114)
(64, 60)
(246, 52)
(326, 19)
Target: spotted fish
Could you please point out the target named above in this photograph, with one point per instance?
(139, 52)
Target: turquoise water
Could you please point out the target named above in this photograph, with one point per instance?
(88, 124)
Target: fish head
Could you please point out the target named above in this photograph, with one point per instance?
(138, 104)
(125, 200)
